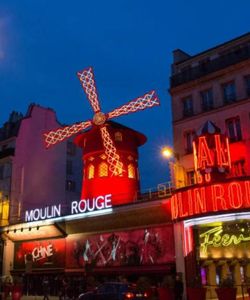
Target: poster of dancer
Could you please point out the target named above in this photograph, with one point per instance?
(148, 246)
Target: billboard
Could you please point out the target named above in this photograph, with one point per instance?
(40, 254)
(229, 240)
(148, 246)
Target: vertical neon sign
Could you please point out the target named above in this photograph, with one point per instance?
(211, 155)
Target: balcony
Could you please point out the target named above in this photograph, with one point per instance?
(7, 152)
(214, 65)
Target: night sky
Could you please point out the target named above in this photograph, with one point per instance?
(129, 43)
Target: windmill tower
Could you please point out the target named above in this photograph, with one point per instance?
(115, 145)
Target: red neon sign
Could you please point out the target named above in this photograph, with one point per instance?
(44, 254)
(204, 158)
(211, 154)
(220, 197)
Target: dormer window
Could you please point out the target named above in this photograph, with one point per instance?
(118, 136)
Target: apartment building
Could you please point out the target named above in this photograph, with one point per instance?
(30, 175)
(213, 85)
(210, 94)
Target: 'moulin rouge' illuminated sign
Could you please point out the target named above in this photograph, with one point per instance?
(211, 155)
(212, 198)
(77, 207)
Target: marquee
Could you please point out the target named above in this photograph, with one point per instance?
(208, 199)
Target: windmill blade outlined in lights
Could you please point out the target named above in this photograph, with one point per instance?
(113, 158)
(147, 100)
(56, 136)
(87, 80)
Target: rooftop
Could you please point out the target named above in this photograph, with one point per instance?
(187, 68)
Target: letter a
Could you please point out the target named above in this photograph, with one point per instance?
(204, 156)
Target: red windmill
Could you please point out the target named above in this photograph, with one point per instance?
(87, 80)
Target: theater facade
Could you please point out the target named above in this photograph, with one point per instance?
(210, 205)
(112, 230)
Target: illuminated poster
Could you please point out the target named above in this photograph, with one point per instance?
(225, 241)
(43, 254)
(149, 246)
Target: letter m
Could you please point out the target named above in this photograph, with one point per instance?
(28, 216)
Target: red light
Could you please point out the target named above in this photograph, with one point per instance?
(146, 295)
(221, 197)
(129, 295)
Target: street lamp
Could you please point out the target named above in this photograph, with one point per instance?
(167, 152)
(176, 169)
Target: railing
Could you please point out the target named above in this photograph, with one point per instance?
(163, 190)
(211, 66)
(7, 152)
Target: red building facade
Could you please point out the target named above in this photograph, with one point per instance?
(97, 178)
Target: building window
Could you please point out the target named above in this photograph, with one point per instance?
(91, 171)
(191, 178)
(207, 100)
(4, 147)
(4, 210)
(187, 106)
(229, 92)
(70, 186)
(189, 137)
(69, 167)
(238, 169)
(204, 64)
(131, 171)
(1, 171)
(118, 136)
(71, 148)
(247, 82)
(234, 129)
(103, 169)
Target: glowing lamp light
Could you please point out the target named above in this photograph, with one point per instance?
(167, 152)
(129, 295)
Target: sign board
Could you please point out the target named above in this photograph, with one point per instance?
(208, 199)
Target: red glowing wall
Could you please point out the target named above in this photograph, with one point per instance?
(45, 254)
(124, 188)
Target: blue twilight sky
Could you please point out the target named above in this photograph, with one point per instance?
(43, 43)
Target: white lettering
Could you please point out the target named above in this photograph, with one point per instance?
(57, 211)
(74, 207)
(84, 205)
(108, 201)
(42, 252)
(47, 212)
(89, 205)
(36, 214)
(100, 202)
(28, 216)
